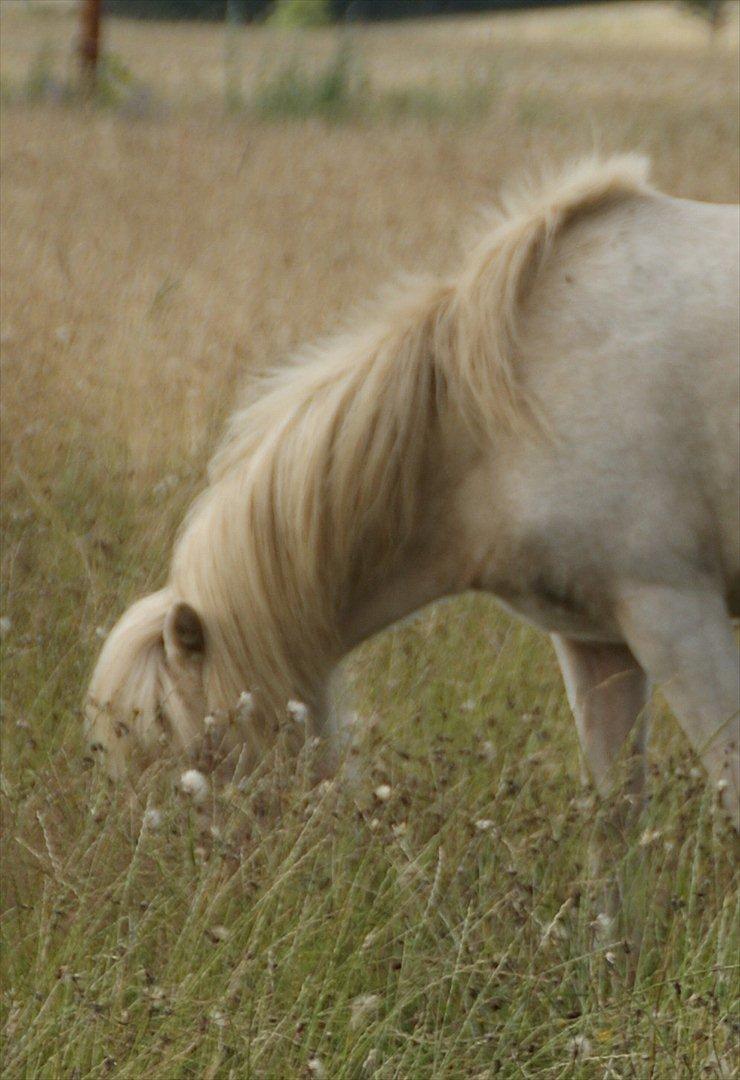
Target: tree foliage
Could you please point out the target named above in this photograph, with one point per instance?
(711, 10)
(300, 13)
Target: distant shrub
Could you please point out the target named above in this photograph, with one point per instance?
(300, 13)
(41, 83)
(115, 85)
(112, 80)
(339, 91)
(433, 102)
(295, 91)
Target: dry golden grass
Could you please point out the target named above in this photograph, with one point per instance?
(148, 262)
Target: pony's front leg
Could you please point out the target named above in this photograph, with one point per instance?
(327, 730)
(608, 692)
(684, 640)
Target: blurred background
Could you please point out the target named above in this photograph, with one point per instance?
(190, 194)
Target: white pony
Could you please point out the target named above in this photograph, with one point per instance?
(555, 425)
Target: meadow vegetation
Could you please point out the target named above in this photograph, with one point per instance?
(435, 919)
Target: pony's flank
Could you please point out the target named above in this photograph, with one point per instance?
(323, 477)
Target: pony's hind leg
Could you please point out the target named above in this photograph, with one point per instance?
(684, 640)
(608, 692)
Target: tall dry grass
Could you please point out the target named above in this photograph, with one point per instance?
(150, 258)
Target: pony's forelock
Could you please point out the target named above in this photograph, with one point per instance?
(123, 696)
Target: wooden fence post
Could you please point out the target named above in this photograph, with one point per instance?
(89, 47)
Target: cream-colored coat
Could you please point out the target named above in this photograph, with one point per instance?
(556, 425)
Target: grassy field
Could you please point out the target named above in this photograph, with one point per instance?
(155, 249)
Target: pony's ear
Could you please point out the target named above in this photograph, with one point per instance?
(184, 637)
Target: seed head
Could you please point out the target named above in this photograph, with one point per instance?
(361, 1009)
(484, 825)
(152, 818)
(194, 785)
(298, 712)
(245, 705)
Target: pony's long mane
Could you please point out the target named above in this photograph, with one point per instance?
(318, 484)
(314, 491)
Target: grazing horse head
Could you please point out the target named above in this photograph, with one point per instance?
(148, 687)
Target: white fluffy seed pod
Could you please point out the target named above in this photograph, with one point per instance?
(298, 712)
(195, 786)
(245, 705)
(152, 818)
(362, 1010)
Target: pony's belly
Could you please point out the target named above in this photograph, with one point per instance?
(558, 618)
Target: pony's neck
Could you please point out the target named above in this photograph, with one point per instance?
(429, 572)
(299, 653)
(330, 514)
(439, 564)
